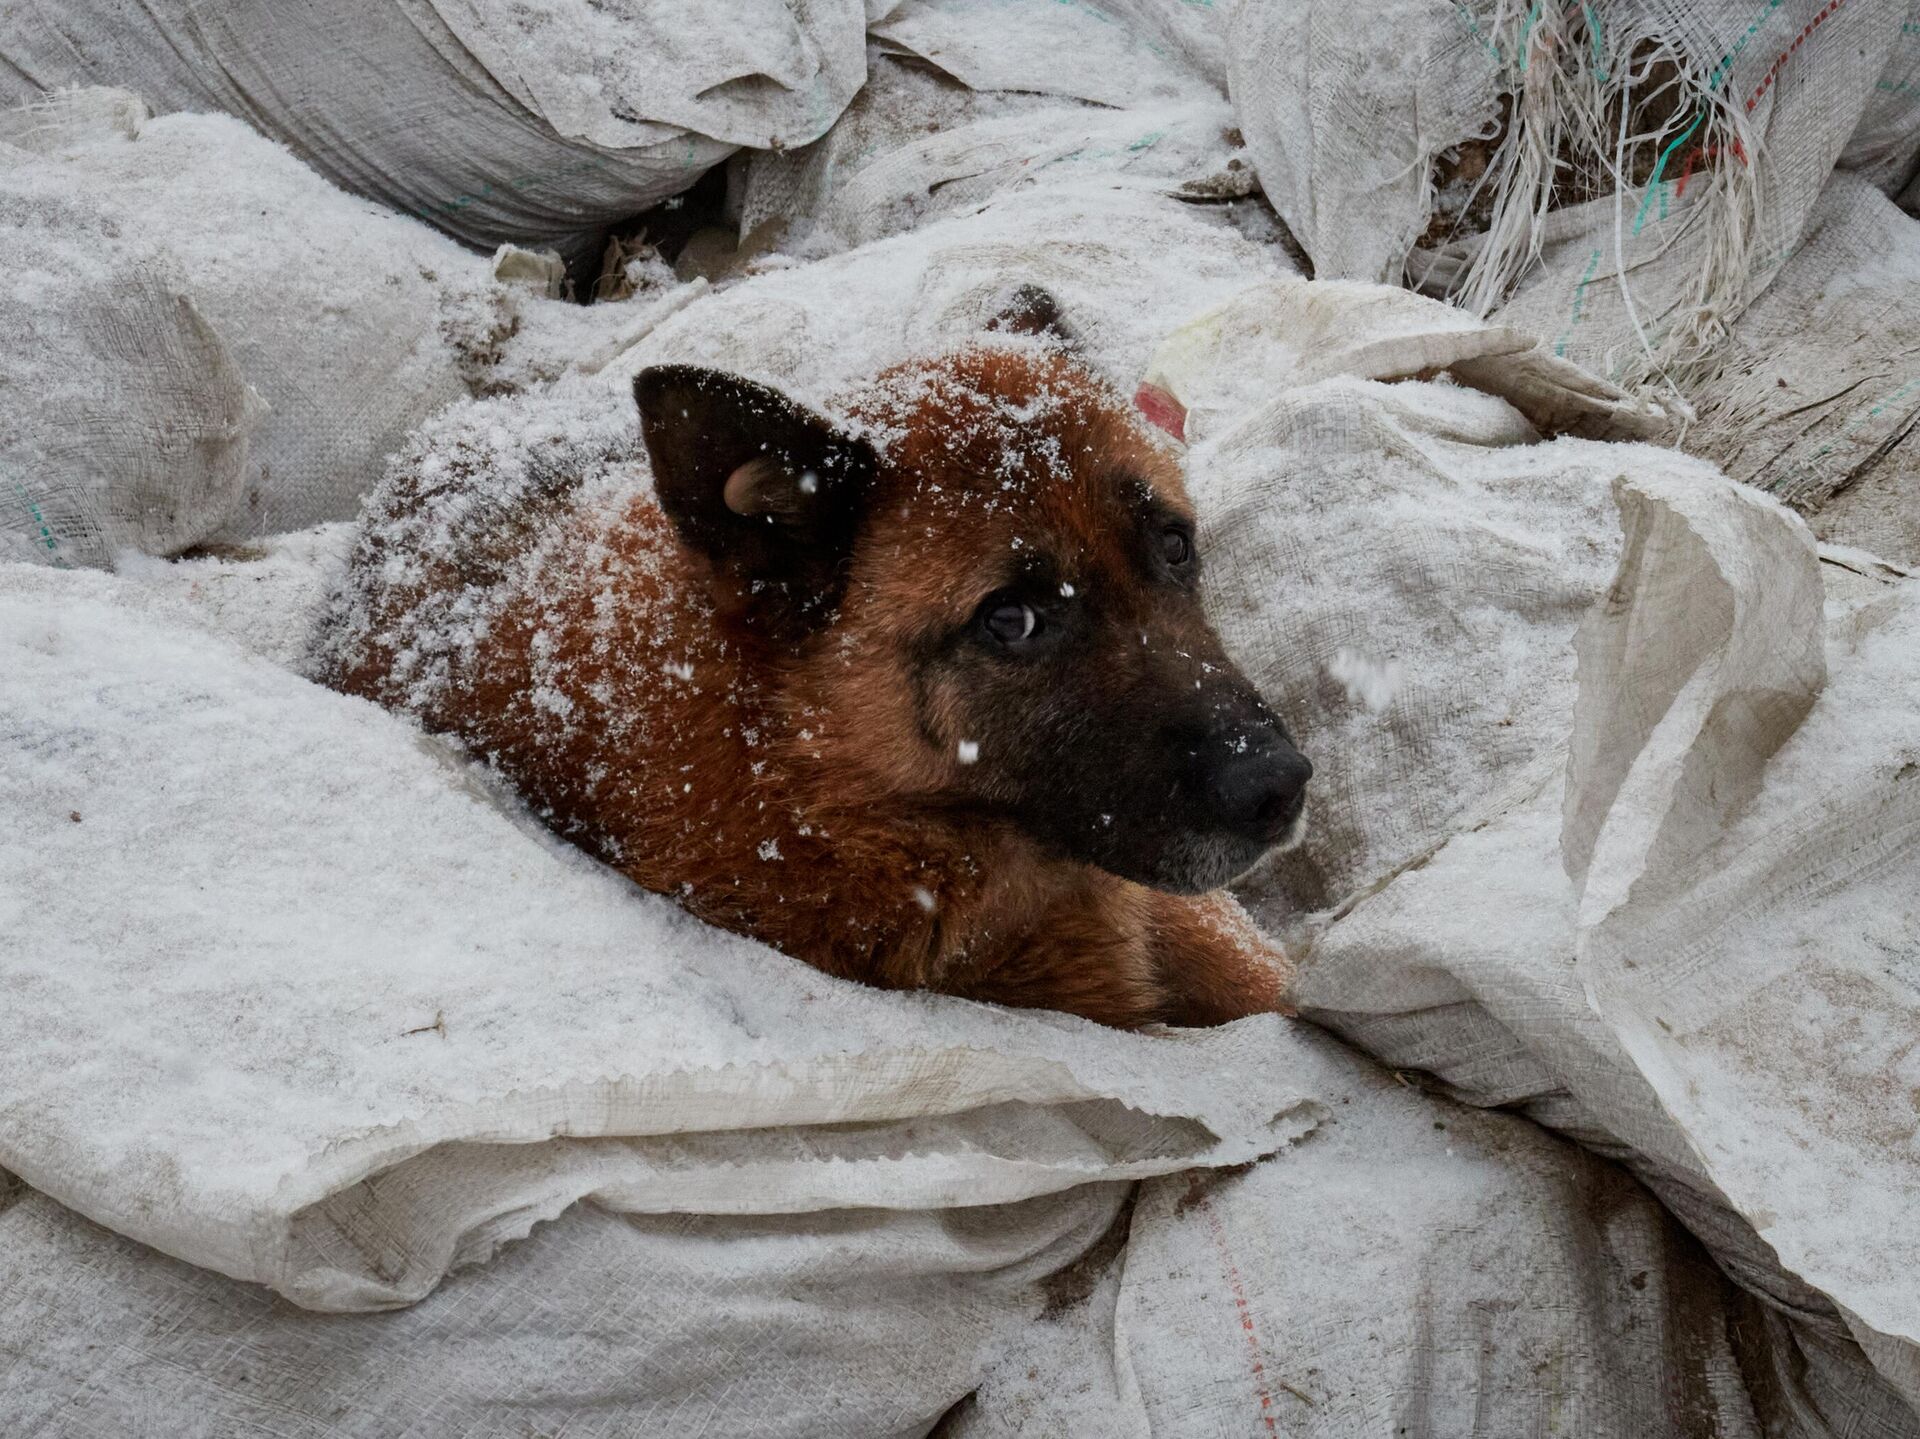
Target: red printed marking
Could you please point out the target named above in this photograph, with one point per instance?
(1686, 170)
(1773, 70)
(1219, 1233)
(1162, 409)
(1703, 153)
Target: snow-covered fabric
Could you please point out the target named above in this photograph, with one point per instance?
(1403, 565)
(1717, 787)
(916, 145)
(124, 420)
(1399, 562)
(297, 996)
(1413, 1267)
(540, 121)
(1127, 264)
(1119, 53)
(1288, 333)
(1409, 1264)
(349, 1023)
(1743, 829)
(241, 268)
(352, 325)
(599, 1325)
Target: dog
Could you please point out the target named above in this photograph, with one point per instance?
(924, 695)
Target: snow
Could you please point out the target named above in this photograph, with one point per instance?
(1369, 682)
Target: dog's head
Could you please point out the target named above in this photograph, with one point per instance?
(983, 593)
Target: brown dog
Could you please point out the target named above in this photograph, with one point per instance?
(926, 699)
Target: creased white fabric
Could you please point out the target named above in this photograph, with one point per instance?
(346, 1024)
(205, 338)
(539, 122)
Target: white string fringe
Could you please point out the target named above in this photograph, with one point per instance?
(1595, 98)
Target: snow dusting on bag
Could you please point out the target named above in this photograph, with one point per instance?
(537, 122)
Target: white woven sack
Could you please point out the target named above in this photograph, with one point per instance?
(351, 323)
(1726, 117)
(1464, 965)
(916, 145)
(535, 122)
(1119, 53)
(598, 1325)
(124, 420)
(1414, 1268)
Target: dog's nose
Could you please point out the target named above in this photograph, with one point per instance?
(1260, 793)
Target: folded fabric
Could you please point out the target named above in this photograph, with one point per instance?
(291, 995)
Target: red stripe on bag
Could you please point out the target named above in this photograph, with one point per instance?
(1773, 70)
(1219, 1233)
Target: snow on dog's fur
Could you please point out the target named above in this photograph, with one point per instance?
(924, 696)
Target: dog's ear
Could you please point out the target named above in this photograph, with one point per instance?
(1030, 310)
(766, 489)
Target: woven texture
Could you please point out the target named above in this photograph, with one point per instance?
(539, 123)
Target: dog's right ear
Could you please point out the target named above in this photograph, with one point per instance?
(769, 491)
(1030, 310)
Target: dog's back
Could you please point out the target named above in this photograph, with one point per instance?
(552, 622)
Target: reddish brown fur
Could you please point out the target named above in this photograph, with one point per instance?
(794, 794)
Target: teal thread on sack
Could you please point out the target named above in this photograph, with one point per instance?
(1526, 29)
(1812, 475)
(1465, 12)
(1714, 82)
(1871, 413)
(1655, 185)
(1579, 299)
(1593, 34)
(47, 536)
(1144, 143)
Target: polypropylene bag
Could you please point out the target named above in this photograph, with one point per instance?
(916, 146)
(168, 271)
(1413, 1268)
(1689, 200)
(599, 1325)
(536, 122)
(1687, 800)
(369, 1024)
(1400, 563)
(125, 422)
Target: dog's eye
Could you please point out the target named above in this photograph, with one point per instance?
(1009, 621)
(1176, 545)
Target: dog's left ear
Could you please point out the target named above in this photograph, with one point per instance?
(769, 491)
(1030, 310)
